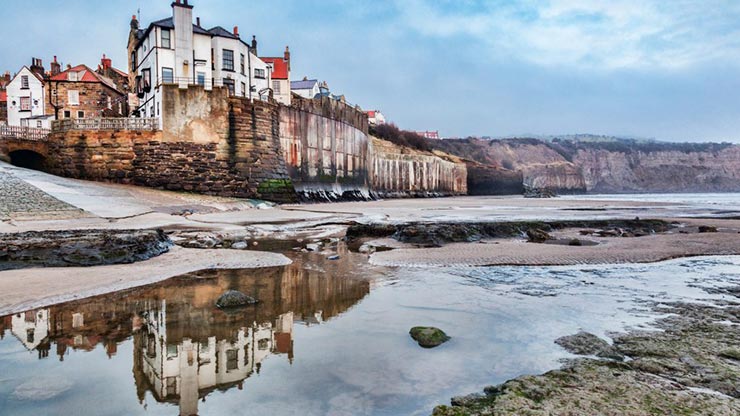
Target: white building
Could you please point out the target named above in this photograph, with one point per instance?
(375, 117)
(306, 88)
(26, 99)
(176, 51)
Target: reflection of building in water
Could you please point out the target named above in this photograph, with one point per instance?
(185, 347)
(186, 370)
(31, 328)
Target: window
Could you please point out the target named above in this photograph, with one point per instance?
(38, 123)
(146, 75)
(80, 114)
(25, 103)
(228, 60)
(202, 78)
(229, 83)
(244, 89)
(73, 97)
(24, 82)
(72, 76)
(167, 76)
(133, 61)
(241, 64)
(232, 360)
(259, 73)
(67, 114)
(276, 87)
(166, 39)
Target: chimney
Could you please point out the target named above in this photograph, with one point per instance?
(69, 67)
(254, 45)
(197, 21)
(56, 67)
(106, 63)
(37, 67)
(236, 31)
(134, 23)
(286, 57)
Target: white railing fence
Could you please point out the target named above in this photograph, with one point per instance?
(105, 124)
(23, 133)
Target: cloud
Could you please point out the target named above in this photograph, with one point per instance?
(608, 35)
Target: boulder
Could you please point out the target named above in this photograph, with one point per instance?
(234, 299)
(584, 343)
(536, 235)
(707, 229)
(241, 245)
(428, 336)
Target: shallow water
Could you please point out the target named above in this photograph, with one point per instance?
(329, 337)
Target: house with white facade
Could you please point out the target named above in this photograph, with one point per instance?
(26, 99)
(280, 76)
(306, 88)
(177, 51)
(375, 117)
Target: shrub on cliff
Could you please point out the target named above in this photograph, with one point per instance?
(393, 134)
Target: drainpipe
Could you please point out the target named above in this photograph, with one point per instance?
(249, 69)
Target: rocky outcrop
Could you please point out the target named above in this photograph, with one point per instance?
(80, 248)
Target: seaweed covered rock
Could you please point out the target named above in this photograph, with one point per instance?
(584, 343)
(428, 336)
(234, 299)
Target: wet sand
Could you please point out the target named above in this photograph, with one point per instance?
(609, 250)
(37, 287)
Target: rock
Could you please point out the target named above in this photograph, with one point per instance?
(575, 242)
(428, 337)
(241, 245)
(707, 229)
(234, 299)
(584, 343)
(80, 247)
(532, 192)
(536, 235)
(313, 247)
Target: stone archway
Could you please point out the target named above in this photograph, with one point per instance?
(27, 159)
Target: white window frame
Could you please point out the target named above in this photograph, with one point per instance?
(27, 101)
(73, 97)
(168, 38)
(24, 82)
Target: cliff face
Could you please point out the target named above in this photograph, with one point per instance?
(612, 166)
(662, 171)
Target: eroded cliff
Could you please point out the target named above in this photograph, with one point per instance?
(607, 165)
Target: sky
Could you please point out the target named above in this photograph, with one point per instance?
(668, 70)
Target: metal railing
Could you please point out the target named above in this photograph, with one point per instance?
(183, 82)
(24, 133)
(119, 123)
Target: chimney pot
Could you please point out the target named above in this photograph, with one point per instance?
(236, 31)
(197, 21)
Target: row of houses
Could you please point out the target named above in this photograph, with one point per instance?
(175, 50)
(179, 50)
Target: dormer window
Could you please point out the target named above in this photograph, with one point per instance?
(73, 76)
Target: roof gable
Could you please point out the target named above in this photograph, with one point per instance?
(25, 68)
(88, 75)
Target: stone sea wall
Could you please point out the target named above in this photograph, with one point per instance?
(396, 171)
(325, 147)
(214, 144)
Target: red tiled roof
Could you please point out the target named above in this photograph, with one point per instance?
(3, 96)
(279, 67)
(88, 76)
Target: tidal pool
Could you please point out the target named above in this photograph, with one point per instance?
(328, 338)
